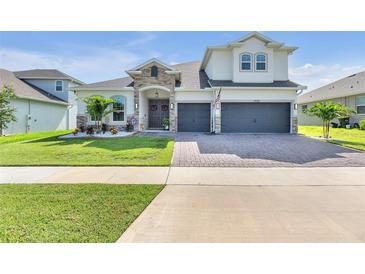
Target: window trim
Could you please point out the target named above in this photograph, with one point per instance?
(251, 62)
(124, 110)
(266, 62)
(62, 85)
(361, 105)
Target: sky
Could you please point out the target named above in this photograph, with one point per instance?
(322, 57)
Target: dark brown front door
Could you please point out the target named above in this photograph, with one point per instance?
(158, 110)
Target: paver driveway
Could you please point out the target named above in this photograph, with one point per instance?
(261, 150)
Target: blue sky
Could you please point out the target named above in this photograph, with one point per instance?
(322, 57)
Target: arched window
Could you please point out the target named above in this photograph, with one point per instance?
(118, 108)
(246, 62)
(154, 71)
(261, 61)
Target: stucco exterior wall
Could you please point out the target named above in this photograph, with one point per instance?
(49, 85)
(194, 96)
(220, 65)
(129, 105)
(254, 95)
(44, 116)
(253, 46)
(280, 65)
(224, 64)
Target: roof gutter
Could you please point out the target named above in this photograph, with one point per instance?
(103, 89)
(41, 100)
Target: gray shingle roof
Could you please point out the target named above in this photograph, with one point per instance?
(191, 78)
(110, 84)
(275, 84)
(25, 90)
(350, 85)
(45, 74)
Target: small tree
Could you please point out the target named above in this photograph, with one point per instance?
(327, 111)
(6, 111)
(98, 107)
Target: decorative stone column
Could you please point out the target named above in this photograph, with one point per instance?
(294, 125)
(217, 117)
(136, 108)
(172, 113)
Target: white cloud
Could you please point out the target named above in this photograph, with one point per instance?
(144, 38)
(317, 75)
(96, 64)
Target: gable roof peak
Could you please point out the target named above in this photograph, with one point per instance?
(254, 34)
(152, 60)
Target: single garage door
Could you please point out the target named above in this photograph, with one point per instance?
(255, 117)
(193, 117)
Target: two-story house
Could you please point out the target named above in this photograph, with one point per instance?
(242, 86)
(44, 100)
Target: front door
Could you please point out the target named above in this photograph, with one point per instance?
(158, 110)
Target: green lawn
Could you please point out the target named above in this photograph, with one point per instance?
(353, 138)
(70, 213)
(46, 149)
(31, 136)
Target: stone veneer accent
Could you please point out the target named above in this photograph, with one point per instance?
(163, 79)
(217, 117)
(294, 125)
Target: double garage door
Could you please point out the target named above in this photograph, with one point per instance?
(236, 117)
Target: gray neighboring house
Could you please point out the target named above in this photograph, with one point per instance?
(44, 100)
(349, 91)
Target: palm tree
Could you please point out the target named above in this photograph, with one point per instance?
(98, 107)
(327, 111)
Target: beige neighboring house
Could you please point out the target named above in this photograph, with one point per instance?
(349, 91)
(43, 100)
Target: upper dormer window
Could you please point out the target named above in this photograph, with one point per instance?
(59, 85)
(261, 61)
(154, 71)
(246, 62)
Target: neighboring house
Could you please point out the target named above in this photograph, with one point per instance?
(349, 91)
(242, 86)
(44, 100)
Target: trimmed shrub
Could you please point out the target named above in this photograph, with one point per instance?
(362, 124)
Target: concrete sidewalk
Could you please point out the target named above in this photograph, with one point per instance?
(186, 175)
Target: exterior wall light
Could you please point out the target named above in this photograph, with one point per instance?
(136, 106)
(172, 106)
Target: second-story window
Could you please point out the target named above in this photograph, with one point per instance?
(59, 85)
(154, 71)
(246, 62)
(261, 62)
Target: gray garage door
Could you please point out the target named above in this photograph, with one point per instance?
(255, 117)
(193, 117)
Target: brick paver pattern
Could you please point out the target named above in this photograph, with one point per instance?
(260, 150)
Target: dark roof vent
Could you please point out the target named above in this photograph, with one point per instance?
(352, 75)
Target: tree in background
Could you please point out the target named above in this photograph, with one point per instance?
(327, 111)
(98, 107)
(344, 115)
(6, 110)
